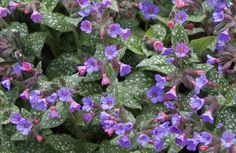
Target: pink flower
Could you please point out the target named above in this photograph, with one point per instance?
(82, 70)
(105, 80)
(171, 24)
(26, 66)
(158, 45)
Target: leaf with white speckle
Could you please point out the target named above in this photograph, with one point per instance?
(157, 32)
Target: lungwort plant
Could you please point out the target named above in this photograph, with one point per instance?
(117, 76)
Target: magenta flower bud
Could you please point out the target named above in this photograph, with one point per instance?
(25, 94)
(26, 66)
(171, 94)
(39, 138)
(105, 80)
(13, 6)
(158, 45)
(82, 70)
(53, 114)
(36, 17)
(110, 131)
(3, 12)
(74, 106)
(180, 4)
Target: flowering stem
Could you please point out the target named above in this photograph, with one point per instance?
(3, 22)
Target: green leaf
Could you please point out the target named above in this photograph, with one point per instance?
(230, 96)
(204, 67)
(114, 6)
(134, 44)
(194, 31)
(17, 136)
(33, 147)
(62, 143)
(63, 110)
(156, 31)
(34, 43)
(20, 27)
(49, 4)
(201, 45)
(178, 34)
(227, 117)
(59, 21)
(108, 148)
(6, 144)
(196, 16)
(65, 64)
(71, 81)
(157, 63)
(89, 88)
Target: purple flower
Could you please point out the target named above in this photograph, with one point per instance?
(53, 114)
(85, 12)
(15, 118)
(91, 65)
(207, 117)
(181, 17)
(52, 98)
(211, 60)
(74, 106)
(125, 34)
(220, 45)
(17, 69)
(64, 94)
(86, 26)
(107, 102)
(111, 52)
(149, 10)
(180, 140)
(120, 128)
(155, 94)
(114, 30)
(3, 12)
(228, 139)
(158, 144)
(220, 125)
(200, 83)
(124, 141)
(169, 105)
(87, 104)
(181, 49)
(88, 117)
(166, 51)
(143, 139)
(129, 126)
(83, 3)
(160, 132)
(170, 60)
(96, 7)
(224, 36)
(171, 94)
(104, 116)
(160, 81)
(206, 138)
(24, 126)
(218, 16)
(125, 69)
(191, 144)
(13, 6)
(176, 119)
(41, 105)
(36, 17)
(6, 83)
(108, 124)
(196, 103)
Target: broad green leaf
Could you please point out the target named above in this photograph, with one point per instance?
(34, 43)
(230, 96)
(108, 148)
(16, 26)
(65, 64)
(59, 21)
(63, 110)
(157, 63)
(178, 34)
(49, 4)
(71, 81)
(89, 88)
(62, 143)
(194, 31)
(17, 136)
(204, 67)
(134, 44)
(33, 147)
(201, 45)
(196, 16)
(156, 31)
(6, 144)
(227, 117)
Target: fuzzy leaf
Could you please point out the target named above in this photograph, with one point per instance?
(230, 96)
(178, 34)
(156, 31)
(134, 44)
(157, 63)
(62, 109)
(114, 6)
(49, 4)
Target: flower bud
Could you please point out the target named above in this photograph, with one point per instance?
(39, 138)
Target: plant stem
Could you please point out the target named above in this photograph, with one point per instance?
(234, 2)
(79, 133)
(76, 37)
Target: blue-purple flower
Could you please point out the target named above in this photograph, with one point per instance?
(111, 52)
(41, 104)
(74, 106)
(24, 126)
(160, 81)
(125, 34)
(125, 69)
(114, 30)
(228, 139)
(15, 118)
(143, 139)
(86, 26)
(53, 113)
(52, 98)
(181, 17)
(91, 65)
(6, 83)
(85, 12)
(64, 94)
(107, 102)
(155, 94)
(36, 17)
(196, 103)
(176, 119)
(83, 3)
(207, 117)
(218, 16)
(13, 6)
(124, 141)
(3, 12)
(158, 144)
(206, 138)
(200, 83)
(87, 104)
(149, 10)
(181, 49)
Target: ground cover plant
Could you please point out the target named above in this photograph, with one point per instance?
(117, 76)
